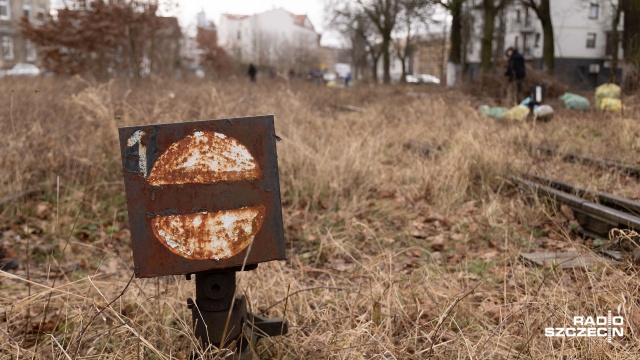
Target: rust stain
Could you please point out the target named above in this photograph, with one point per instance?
(200, 191)
(209, 235)
(204, 157)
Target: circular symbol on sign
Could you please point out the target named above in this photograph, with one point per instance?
(204, 157)
(207, 157)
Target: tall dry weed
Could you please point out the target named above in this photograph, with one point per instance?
(392, 253)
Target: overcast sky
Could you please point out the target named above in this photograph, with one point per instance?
(188, 9)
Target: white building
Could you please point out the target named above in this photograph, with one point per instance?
(582, 33)
(276, 37)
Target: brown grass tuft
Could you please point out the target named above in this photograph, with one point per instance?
(392, 254)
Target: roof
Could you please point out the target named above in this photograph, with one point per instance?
(299, 20)
(235, 17)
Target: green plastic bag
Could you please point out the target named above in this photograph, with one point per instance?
(492, 112)
(575, 101)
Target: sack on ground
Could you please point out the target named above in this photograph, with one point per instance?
(517, 113)
(543, 112)
(609, 104)
(492, 112)
(574, 101)
(607, 91)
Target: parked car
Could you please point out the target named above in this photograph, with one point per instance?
(428, 79)
(329, 77)
(412, 79)
(23, 69)
(422, 79)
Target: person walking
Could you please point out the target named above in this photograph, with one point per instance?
(252, 72)
(516, 73)
(347, 80)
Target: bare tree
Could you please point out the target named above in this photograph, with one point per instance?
(263, 48)
(491, 9)
(302, 55)
(413, 16)
(361, 34)
(615, 38)
(105, 38)
(383, 14)
(455, 34)
(631, 35)
(364, 45)
(212, 56)
(542, 8)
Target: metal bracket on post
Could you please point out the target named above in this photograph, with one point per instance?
(222, 320)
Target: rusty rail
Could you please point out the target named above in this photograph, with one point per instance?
(610, 200)
(593, 217)
(604, 164)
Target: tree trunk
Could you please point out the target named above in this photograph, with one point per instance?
(631, 34)
(403, 77)
(615, 43)
(133, 63)
(374, 72)
(443, 61)
(548, 50)
(386, 59)
(455, 37)
(502, 29)
(487, 38)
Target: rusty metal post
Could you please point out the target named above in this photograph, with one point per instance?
(222, 320)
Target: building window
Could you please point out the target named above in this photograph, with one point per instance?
(593, 11)
(591, 40)
(26, 11)
(527, 18)
(238, 36)
(31, 51)
(7, 48)
(537, 43)
(518, 18)
(41, 13)
(517, 43)
(5, 13)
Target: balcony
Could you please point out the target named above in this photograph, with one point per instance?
(526, 26)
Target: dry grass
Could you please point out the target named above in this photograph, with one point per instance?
(392, 255)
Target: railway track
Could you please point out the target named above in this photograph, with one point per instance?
(596, 212)
(602, 164)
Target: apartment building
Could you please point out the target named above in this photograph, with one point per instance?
(582, 37)
(274, 37)
(15, 48)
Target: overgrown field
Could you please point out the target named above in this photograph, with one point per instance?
(394, 252)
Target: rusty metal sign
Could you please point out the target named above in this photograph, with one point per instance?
(202, 195)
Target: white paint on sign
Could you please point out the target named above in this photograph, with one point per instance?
(136, 138)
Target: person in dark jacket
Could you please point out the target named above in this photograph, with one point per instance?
(252, 72)
(515, 71)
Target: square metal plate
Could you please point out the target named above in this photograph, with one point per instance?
(202, 195)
